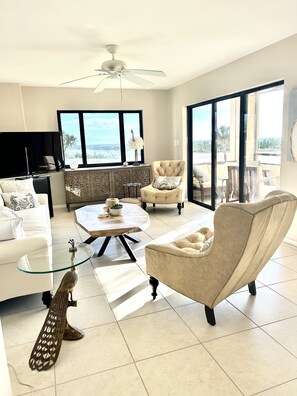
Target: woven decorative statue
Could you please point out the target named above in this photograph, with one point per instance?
(56, 328)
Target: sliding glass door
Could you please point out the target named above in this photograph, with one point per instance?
(234, 146)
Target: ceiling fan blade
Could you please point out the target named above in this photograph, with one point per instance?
(100, 87)
(157, 73)
(101, 71)
(137, 80)
(82, 78)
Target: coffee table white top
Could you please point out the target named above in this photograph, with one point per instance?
(133, 219)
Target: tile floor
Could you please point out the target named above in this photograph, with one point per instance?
(133, 346)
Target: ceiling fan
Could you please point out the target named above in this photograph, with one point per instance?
(116, 68)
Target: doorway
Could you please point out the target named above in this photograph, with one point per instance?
(234, 146)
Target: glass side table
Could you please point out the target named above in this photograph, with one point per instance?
(51, 259)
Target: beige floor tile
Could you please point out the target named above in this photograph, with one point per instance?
(121, 381)
(287, 389)
(44, 392)
(174, 298)
(102, 348)
(274, 273)
(288, 262)
(90, 312)
(229, 320)
(285, 250)
(22, 327)
(266, 307)
(253, 360)
(135, 302)
(85, 269)
(156, 333)
(87, 286)
(109, 260)
(120, 277)
(284, 332)
(190, 371)
(20, 372)
(287, 289)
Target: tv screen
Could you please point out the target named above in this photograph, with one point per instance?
(29, 153)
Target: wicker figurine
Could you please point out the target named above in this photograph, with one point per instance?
(55, 328)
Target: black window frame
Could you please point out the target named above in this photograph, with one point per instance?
(242, 95)
(121, 130)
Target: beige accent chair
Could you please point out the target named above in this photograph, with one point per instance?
(150, 194)
(246, 235)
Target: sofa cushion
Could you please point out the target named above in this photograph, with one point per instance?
(24, 185)
(20, 200)
(36, 221)
(10, 224)
(166, 182)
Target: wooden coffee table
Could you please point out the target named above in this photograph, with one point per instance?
(133, 219)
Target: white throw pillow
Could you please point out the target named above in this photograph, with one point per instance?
(166, 182)
(20, 200)
(24, 185)
(11, 225)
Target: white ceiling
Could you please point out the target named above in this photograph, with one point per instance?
(45, 43)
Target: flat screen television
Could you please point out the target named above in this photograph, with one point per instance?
(30, 153)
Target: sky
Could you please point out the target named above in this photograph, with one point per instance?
(269, 115)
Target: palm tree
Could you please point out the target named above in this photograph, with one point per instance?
(223, 140)
(68, 140)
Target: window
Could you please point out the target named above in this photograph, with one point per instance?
(99, 138)
(234, 146)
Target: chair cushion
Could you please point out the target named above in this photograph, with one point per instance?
(166, 182)
(195, 241)
(201, 172)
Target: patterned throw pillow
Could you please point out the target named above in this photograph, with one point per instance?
(166, 182)
(207, 244)
(20, 200)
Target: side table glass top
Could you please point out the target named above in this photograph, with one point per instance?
(54, 258)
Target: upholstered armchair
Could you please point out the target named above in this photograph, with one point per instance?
(246, 235)
(168, 184)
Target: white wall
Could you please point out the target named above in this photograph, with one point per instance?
(11, 110)
(41, 105)
(273, 63)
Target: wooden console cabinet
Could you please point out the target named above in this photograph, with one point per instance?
(97, 184)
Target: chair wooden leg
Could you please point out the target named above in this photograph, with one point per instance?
(143, 205)
(252, 288)
(179, 206)
(202, 194)
(210, 316)
(154, 205)
(154, 283)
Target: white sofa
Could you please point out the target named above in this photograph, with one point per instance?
(36, 233)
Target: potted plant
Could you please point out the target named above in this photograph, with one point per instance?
(116, 210)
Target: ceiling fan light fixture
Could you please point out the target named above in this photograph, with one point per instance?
(114, 65)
